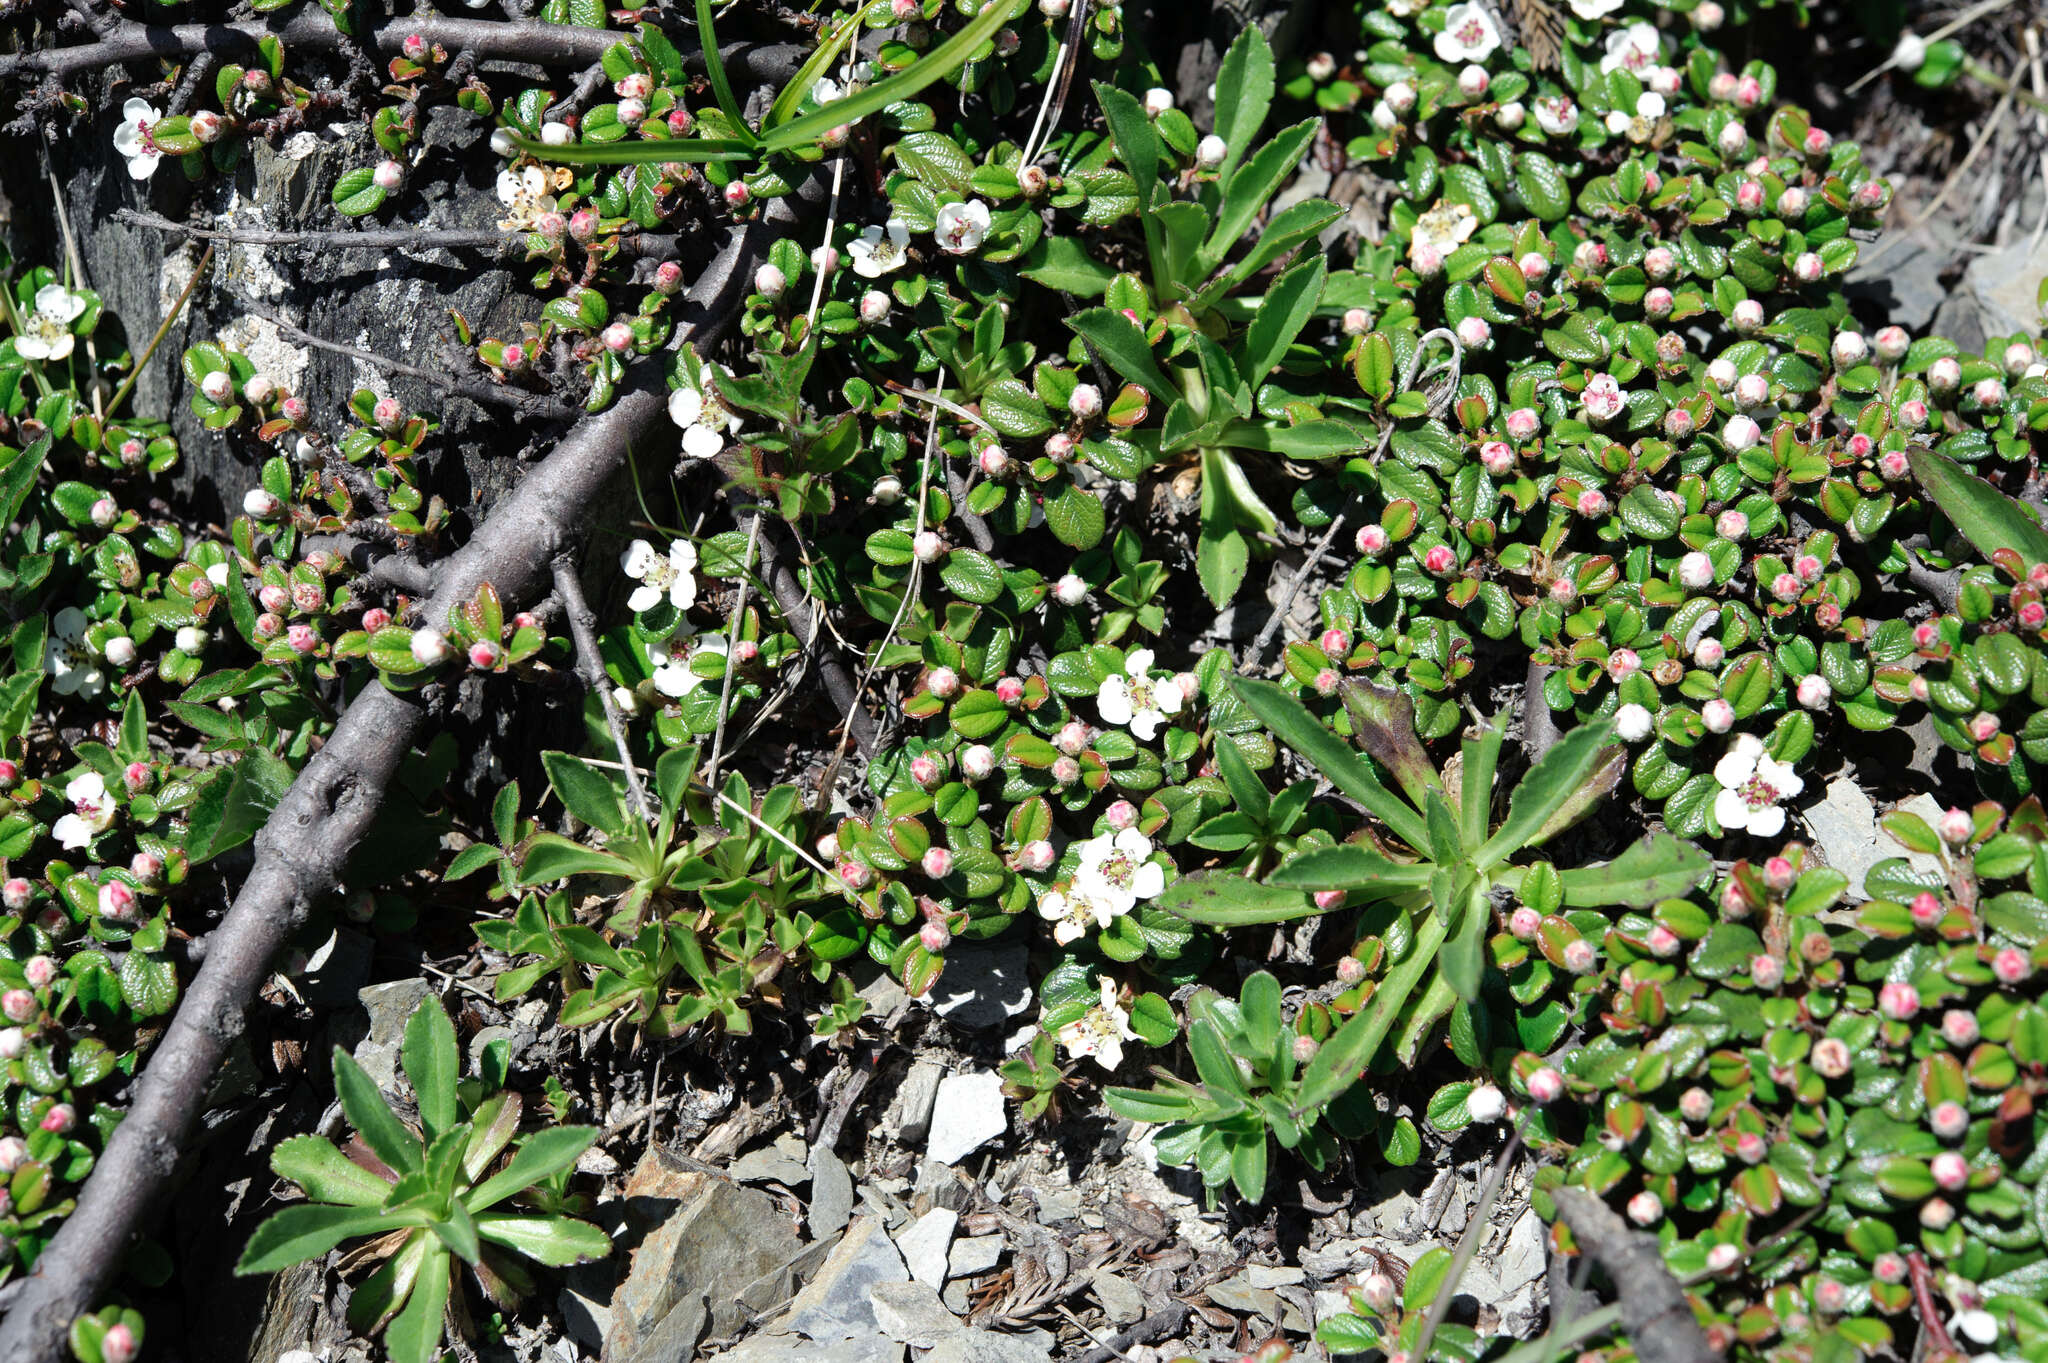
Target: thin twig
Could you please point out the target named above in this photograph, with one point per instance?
(1468, 1243)
(1654, 1308)
(590, 666)
(1968, 16)
(1926, 214)
(732, 639)
(198, 273)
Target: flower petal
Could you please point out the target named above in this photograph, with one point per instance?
(701, 442)
(1731, 812)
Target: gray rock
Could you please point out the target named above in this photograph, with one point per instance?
(389, 1007)
(1235, 1294)
(910, 1115)
(831, 1194)
(1121, 1302)
(586, 1320)
(485, 1036)
(912, 1312)
(782, 1162)
(796, 1349)
(969, 1115)
(1285, 1275)
(1525, 1255)
(925, 1245)
(974, 1254)
(1057, 1204)
(984, 984)
(1995, 297)
(704, 1241)
(986, 1346)
(834, 1304)
(1904, 283)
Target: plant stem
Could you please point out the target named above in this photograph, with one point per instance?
(198, 273)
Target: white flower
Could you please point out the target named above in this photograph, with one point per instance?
(826, 90)
(705, 420)
(961, 227)
(1468, 36)
(133, 141)
(1594, 9)
(525, 196)
(1633, 46)
(1101, 1031)
(1444, 228)
(673, 675)
(880, 250)
(46, 332)
(1074, 910)
(66, 658)
(1752, 783)
(1137, 699)
(1632, 723)
(91, 811)
(1557, 115)
(670, 576)
(1406, 9)
(1115, 867)
(1650, 105)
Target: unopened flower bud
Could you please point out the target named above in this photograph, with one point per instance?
(1036, 855)
(1579, 956)
(1951, 1171)
(1072, 739)
(1814, 691)
(430, 648)
(1898, 1001)
(1831, 1059)
(60, 1118)
(1718, 715)
(927, 770)
(1523, 423)
(1546, 1085)
(1645, 1209)
(1085, 402)
(928, 546)
(1372, 540)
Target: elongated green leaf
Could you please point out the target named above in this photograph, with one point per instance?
(1227, 899)
(1480, 758)
(1345, 1055)
(1350, 866)
(1659, 867)
(941, 62)
(326, 1174)
(1444, 843)
(306, 1231)
(372, 1117)
(1157, 1106)
(585, 791)
(819, 62)
(433, 1063)
(1987, 518)
(1464, 954)
(1250, 189)
(1599, 783)
(1246, 789)
(1293, 725)
(550, 856)
(458, 1233)
(556, 1241)
(1290, 303)
(541, 1155)
(641, 151)
(714, 67)
(414, 1335)
(1244, 93)
(1122, 346)
(1546, 786)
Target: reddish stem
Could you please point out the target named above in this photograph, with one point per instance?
(1923, 1301)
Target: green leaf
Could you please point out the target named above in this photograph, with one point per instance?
(585, 791)
(1244, 94)
(326, 1174)
(542, 1155)
(1123, 347)
(1659, 867)
(1293, 725)
(1286, 309)
(1062, 263)
(307, 1231)
(714, 67)
(1250, 188)
(1227, 899)
(433, 1063)
(972, 576)
(1346, 1054)
(458, 1233)
(414, 1335)
(1557, 775)
(1987, 518)
(550, 856)
(1075, 517)
(556, 1241)
(357, 193)
(372, 1117)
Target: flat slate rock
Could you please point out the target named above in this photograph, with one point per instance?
(835, 1305)
(970, 1114)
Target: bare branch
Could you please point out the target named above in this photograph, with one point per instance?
(1654, 1309)
(323, 817)
(656, 245)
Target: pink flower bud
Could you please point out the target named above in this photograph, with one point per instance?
(1957, 827)
(2032, 615)
(1085, 402)
(1741, 433)
(926, 770)
(1658, 302)
(1696, 1104)
(1592, 504)
(1579, 956)
(1696, 570)
(1379, 1292)
(1983, 726)
(1372, 540)
(1749, 92)
(1959, 1028)
(117, 900)
(1751, 1148)
(2011, 966)
(1829, 1296)
(1898, 1001)
(928, 546)
(1888, 1268)
(1951, 1171)
(1066, 771)
(1326, 682)
(18, 1004)
(1546, 1085)
(13, 1149)
(1663, 942)
(1747, 315)
(1474, 333)
(1350, 970)
(1564, 591)
(376, 618)
(1534, 267)
(1496, 456)
(1718, 715)
(1944, 375)
(1645, 1210)
(1305, 1048)
(737, 194)
(1523, 423)
(388, 175)
(1926, 909)
(617, 338)
(39, 971)
(1831, 1059)
(60, 1118)
(1590, 256)
(387, 414)
(1937, 1213)
(1334, 642)
(1439, 560)
(135, 777)
(17, 894)
(632, 112)
(1807, 267)
(1988, 393)
(1357, 321)
(1524, 923)
(1766, 972)
(1814, 691)
(994, 463)
(1328, 899)
(1426, 260)
(1009, 690)
(1678, 423)
(1623, 663)
(943, 682)
(1120, 815)
(937, 863)
(1948, 1120)
(1072, 739)
(146, 867)
(934, 935)
(1036, 855)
